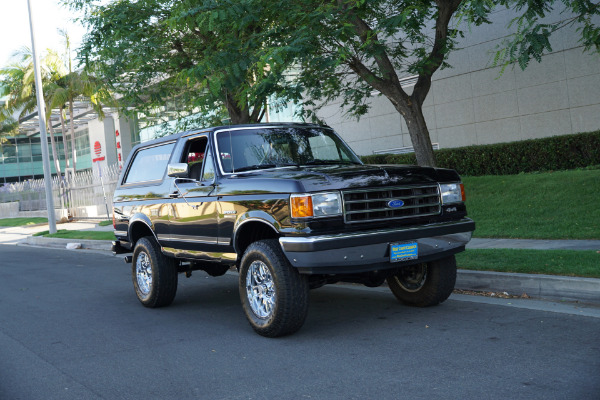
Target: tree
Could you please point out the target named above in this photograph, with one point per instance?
(8, 128)
(531, 38)
(215, 55)
(62, 94)
(62, 91)
(351, 49)
(184, 57)
(17, 83)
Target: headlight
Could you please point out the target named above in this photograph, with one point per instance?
(315, 205)
(452, 192)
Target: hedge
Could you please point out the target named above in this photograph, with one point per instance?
(548, 154)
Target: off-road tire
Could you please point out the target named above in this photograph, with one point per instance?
(163, 272)
(434, 288)
(290, 300)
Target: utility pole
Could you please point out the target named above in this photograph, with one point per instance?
(43, 136)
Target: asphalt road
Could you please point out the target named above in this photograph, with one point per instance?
(71, 328)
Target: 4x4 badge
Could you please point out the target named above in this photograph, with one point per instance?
(395, 203)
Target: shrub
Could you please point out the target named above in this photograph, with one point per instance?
(548, 154)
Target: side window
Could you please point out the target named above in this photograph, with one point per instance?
(194, 156)
(149, 164)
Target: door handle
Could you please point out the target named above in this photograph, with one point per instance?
(174, 195)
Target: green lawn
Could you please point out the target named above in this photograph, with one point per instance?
(551, 262)
(551, 205)
(105, 223)
(22, 221)
(66, 234)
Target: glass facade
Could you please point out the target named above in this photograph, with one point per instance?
(21, 156)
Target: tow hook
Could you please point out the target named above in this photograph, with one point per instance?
(127, 259)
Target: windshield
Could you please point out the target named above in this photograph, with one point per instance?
(250, 149)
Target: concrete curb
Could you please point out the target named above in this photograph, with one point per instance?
(62, 243)
(585, 290)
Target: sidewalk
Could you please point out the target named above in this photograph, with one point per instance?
(21, 234)
(561, 288)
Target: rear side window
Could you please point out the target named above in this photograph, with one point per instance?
(149, 164)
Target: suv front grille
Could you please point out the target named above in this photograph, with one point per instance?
(366, 205)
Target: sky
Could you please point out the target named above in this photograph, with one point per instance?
(48, 17)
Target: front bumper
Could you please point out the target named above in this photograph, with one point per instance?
(370, 251)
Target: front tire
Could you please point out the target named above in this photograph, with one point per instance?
(154, 275)
(424, 284)
(274, 295)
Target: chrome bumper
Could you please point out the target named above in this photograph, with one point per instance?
(369, 251)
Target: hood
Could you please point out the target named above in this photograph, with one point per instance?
(336, 177)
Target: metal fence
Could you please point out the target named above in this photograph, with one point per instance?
(79, 193)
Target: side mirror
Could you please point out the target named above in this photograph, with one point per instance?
(178, 170)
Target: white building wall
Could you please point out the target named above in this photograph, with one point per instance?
(124, 128)
(102, 132)
(105, 132)
(472, 103)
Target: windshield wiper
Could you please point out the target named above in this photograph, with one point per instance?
(327, 162)
(253, 167)
(264, 166)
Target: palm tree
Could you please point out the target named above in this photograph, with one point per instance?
(18, 85)
(63, 92)
(8, 127)
(61, 87)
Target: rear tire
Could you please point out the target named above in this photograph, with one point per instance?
(425, 284)
(274, 295)
(154, 275)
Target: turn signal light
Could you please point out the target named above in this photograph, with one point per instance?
(301, 206)
(462, 192)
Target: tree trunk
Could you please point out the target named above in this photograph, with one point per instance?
(53, 145)
(237, 115)
(57, 166)
(73, 150)
(64, 137)
(411, 110)
(419, 135)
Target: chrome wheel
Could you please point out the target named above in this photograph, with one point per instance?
(412, 278)
(260, 289)
(143, 273)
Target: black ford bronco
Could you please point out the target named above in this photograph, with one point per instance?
(292, 208)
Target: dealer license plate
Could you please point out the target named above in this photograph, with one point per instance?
(404, 251)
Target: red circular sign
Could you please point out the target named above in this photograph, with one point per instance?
(97, 148)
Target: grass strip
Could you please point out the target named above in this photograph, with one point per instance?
(105, 223)
(22, 221)
(551, 262)
(551, 205)
(84, 235)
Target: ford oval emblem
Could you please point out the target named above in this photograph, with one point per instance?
(395, 203)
